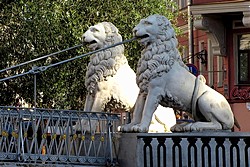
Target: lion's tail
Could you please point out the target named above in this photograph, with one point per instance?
(236, 123)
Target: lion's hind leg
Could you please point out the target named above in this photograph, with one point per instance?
(212, 113)
(178, 127)
(196, 126)
(201, 126)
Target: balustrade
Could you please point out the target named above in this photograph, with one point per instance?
(50, 136)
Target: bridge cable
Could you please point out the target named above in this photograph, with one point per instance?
(40, 58)
(36, 70)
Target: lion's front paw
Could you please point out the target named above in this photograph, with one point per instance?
(140, 128)
(177, 128)
(125, 128)
(192, 127)
(180, 127)
(201, 126)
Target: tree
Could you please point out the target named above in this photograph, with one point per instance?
(33, 28)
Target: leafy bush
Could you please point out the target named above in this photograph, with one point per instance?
(33, 28)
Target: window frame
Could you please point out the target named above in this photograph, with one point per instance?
(238, 63)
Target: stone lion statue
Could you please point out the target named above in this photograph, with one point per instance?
(109, 78)
(164, 79)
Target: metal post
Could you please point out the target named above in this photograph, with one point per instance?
(34, 71)
(20, 143)
(34, 91)
(34, 107)
(190, 32)
(110, 142)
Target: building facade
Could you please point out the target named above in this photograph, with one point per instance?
(219, 32)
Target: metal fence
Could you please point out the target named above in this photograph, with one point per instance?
(51, 137)
(204, 149)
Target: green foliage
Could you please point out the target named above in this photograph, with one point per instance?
(33, 28)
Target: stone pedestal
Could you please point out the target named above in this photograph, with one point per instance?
(127, 153)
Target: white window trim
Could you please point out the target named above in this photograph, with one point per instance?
(210, 63)
(220, 71)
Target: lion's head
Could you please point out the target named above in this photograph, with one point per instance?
(157, 35)
(105, 63)
(154, 28)
(101, 35)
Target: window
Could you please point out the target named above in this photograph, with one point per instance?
(220, 71)
(244, 59)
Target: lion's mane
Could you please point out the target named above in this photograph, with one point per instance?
(158, 58)
(105, 64)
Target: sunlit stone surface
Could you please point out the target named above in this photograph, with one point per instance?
(110, 81)
(164, 79)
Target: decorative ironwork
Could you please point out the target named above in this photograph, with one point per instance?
(49, 136)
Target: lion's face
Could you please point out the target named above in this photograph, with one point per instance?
(100, 35)
(95, 36)
(151, 28)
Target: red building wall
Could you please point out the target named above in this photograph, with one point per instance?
(239, 106)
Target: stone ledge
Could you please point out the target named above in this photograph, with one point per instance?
(132, 146)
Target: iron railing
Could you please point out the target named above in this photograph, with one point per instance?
(201, 149)
(50, 136)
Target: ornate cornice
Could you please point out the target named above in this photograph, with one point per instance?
(220, 8)
(215, 31)
(226, 7)
(246, 18)
(214, 27)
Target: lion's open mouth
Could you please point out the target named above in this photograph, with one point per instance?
(143, 36)
(143, 39)
(92, 42)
